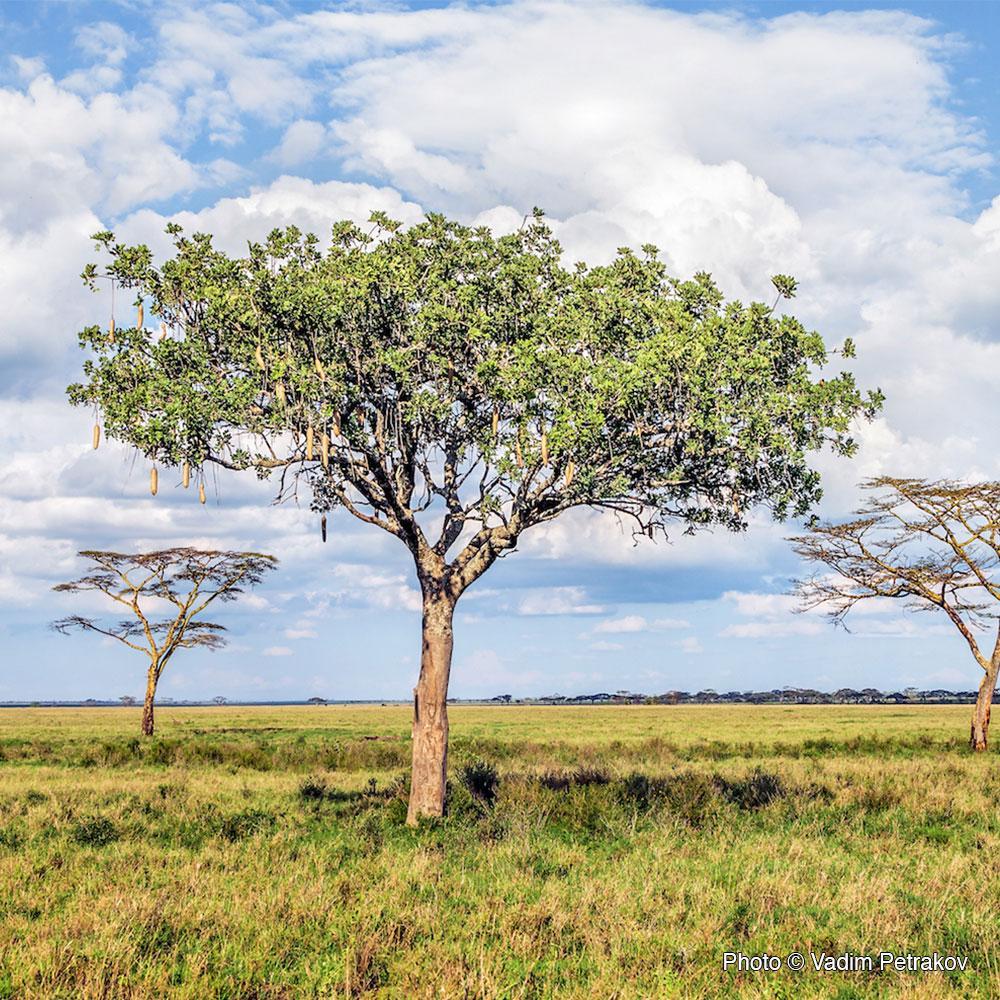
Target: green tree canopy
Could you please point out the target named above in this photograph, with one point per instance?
(454, 388)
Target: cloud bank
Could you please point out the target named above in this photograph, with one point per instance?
(830, 146)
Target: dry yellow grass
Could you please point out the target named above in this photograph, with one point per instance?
(244, 853)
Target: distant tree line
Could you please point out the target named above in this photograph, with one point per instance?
(777, 696)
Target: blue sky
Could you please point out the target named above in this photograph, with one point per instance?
(853, 145)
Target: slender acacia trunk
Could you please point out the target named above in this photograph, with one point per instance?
(981, 711)
(430, 707)
(147, 707)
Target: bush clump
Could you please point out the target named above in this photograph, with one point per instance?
(688, 794)
(585, 776)
(11, 839)
(556, 781)
(482, 781)
(642, 791)
(754, 792)
(245, 824)
(312, 789)
(95, 832)
(559, 781)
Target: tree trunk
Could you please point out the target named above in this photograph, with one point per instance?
(430, 708)
(147, 707)
(981, 712)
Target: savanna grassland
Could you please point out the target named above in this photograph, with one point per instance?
(589, 852)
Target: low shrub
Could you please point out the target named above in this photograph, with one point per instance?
(641, 791)
(120, 753)
(583, 776)
(11, 839)
(590, 776)
(689, 794)
(246, 824)
(95, 832)
(754, 792)
(482, 780)
(557, 781)
(877, 799)
(162, 751)
(313, 789)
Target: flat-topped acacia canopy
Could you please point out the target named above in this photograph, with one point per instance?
(183, 581)
(934, 546)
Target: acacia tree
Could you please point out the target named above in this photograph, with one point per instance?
(454, 388)
(933, 545)
(188, 579)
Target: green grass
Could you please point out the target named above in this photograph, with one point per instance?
(262, 853)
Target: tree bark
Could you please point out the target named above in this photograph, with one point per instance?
(430, 707)
(147, 707)
(981, 712)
